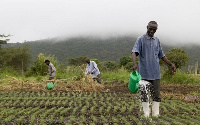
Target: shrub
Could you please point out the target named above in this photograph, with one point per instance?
(40, 68)
(124, 60)
(111, 65)
(129, 66)
(8, 71)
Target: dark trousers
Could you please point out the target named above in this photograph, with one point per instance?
(153, 88)
(98, 78)
(50, 78)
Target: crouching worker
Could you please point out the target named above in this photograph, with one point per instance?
(93, 69)
(51, 69)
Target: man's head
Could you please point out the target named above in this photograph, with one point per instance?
(87, 60)
(151, 28)
(47, 62)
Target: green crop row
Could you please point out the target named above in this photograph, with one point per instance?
(93, 108)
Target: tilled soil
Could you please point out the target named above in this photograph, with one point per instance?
(187, 93)
(165, 88)
(180, 89)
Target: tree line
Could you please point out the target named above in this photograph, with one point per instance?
(110, 53)
(107, 49)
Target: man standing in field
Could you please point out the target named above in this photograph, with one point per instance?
(51, 69)
(149, 50)
(93, 69)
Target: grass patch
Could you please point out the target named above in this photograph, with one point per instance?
(118, 75)
(70, 72)
(180, 78)
(121, 75)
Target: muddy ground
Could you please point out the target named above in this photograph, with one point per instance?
(186, 93)
(165, 88)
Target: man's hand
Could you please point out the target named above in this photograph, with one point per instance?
(169, 63)
(134, 66)
(173, 68)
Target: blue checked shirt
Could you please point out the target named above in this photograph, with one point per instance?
(150, 51)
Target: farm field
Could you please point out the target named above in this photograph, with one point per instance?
(86, 102)
(98, 108)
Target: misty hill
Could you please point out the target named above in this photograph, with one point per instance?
(104, 49)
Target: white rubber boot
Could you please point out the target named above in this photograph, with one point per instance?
(155, 108)
(146, 110)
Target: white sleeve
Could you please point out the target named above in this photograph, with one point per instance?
(86, 72)
(94, 67)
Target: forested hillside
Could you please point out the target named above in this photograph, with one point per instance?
(109, 49)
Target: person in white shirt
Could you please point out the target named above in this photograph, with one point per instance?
(93, 69)
(51, 69)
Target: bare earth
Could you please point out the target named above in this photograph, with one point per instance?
(187, 93)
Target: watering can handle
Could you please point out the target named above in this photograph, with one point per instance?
(134, 71)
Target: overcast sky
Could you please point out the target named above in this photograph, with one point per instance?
(178, 20)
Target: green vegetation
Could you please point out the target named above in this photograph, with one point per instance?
(110, 49)
(180, 78)
(110, 75)
(77, 61)
(120, 75)
(16, 58)
(40, 68)
(111, 54)
(103, 108)
(3, 40)
(62, 107)
(127, 63)
(178, 57)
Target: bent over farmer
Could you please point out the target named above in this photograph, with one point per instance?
(51, 69)
(93, 69)
(149, 50)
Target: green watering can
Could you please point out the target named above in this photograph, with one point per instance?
(50, 85)
(133, 85)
